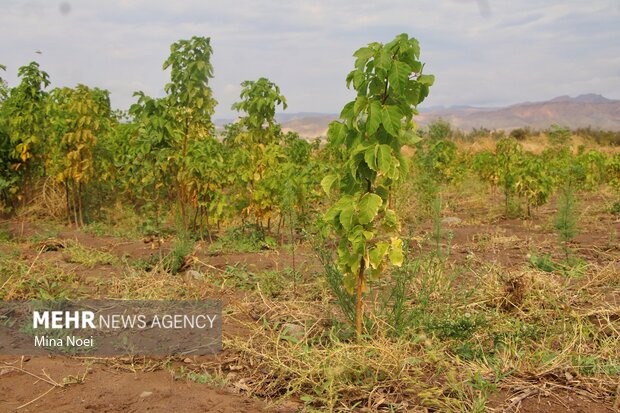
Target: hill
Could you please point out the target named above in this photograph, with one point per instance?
(574, 112)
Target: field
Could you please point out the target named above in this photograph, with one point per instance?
(386, 268)
(492, 327)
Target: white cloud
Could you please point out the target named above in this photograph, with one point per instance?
(517, 51)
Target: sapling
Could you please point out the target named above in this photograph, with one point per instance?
(389, 83)
(566, 219)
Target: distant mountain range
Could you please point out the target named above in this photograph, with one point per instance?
(574, 112)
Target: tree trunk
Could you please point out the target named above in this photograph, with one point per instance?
(208, 225)
(80, 204)
(182, 194)
(292, 241)
(359, 304)
(68, 203)
(75, 218)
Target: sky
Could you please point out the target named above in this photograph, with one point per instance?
(482, 52)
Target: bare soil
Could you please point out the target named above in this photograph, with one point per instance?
(116, 386)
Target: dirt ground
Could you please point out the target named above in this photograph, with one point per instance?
(105, 389)
(62, 384)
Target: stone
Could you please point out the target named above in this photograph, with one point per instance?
(451, 220)
(195, 274)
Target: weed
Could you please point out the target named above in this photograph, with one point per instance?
(566, 219)
(248, 238)
(5, 235)
(200, 377)
(88, 257)
(176, 259)
(21, 282)
(543, 262)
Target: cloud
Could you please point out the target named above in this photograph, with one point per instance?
(482, 52)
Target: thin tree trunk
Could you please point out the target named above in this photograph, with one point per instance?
(194, 221)
(292, 241)
(208, 227)
(280, 233)
(80, 204)
(68, 202)
(75, 219)
(182, 194)
(359, 304)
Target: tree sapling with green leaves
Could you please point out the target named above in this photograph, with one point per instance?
(190, 98)
(258, 153)
(373, 128)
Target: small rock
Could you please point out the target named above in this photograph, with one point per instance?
(188, 360)
(195, 274)
(293, 330)
(146, 394)
(451, 220)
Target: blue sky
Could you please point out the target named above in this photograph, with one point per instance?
(483, 52)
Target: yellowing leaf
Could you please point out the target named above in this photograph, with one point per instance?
(375, 255)
(396, 252)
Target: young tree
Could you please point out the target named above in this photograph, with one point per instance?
(8, 177)
(207, 177)
(508, 153)
(533, 181)
(4, 89)
(27, 122)
(259, 154)
(79, 115)
(389, 83)
(191, 102)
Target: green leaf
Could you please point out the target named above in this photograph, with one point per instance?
(410, 137)
(328, 182)
(370, 157)
(385, 159)
(336, 132)
(384, 60)
(399, 75)
(331, 214)
(391, 116)
(427, 80)
(360, 104)
(374, 117)
(396, 252)
(347, 112)
(346, 217)
(369, 207)
(363, 55)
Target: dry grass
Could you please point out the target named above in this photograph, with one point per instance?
(46, 201)
(478, 327)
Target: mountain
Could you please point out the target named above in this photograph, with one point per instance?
(574, 112)
(309, 126)
(581, 111)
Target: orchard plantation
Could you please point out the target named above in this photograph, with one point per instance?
(370, 303)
